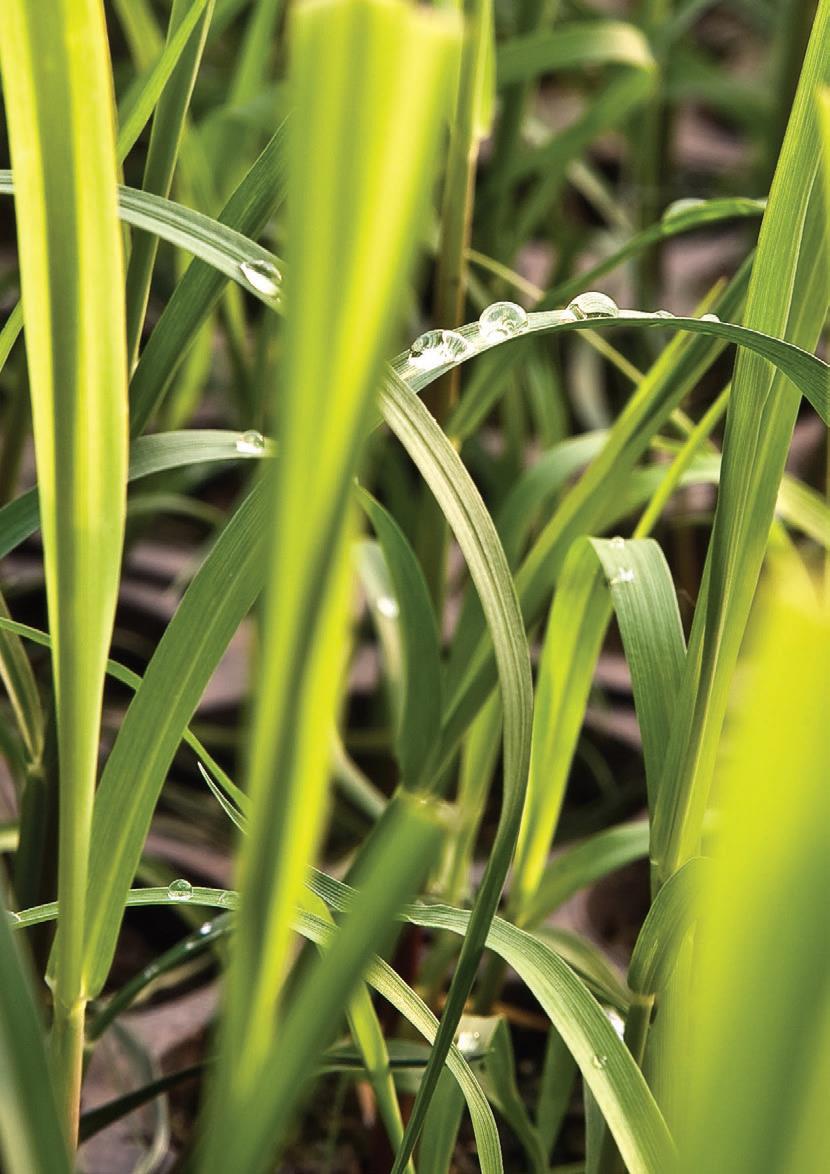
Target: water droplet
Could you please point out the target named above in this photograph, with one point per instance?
(616, 1020)
(617, 543)
(468, 1042)
(180, 890)
(387, 606)
(663, 314)
(709, 318)
(623, 575)
(680, 207)
(594, 305)
(599, 1061)
(251, 444)
(205, 928)
(437, 348)
(262, 276)
(502, 320)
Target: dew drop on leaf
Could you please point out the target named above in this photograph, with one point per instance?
(262, 276)
(594, 305)
(251, 444)
(436, 348)
(180, 890)
(502, 320)
(623, 575)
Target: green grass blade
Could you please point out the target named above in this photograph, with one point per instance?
(420, 702)
(393, 868)
(669, 919)
(60, 114)
(162, 154)
(761, 946)
(788, 295)
(143, 97)
(443, 471)
(642, 595)
(378, 974)
(645, 604)
(30, 1132)
(19, 680)
(355, 208)
(247, 211)
(149, 454)
(210, 611)
(585, 864)
(120, 672)
(572, 46)
(606, 1065)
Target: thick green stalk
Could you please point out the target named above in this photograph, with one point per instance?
(60, 115)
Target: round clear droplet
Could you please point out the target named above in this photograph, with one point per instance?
(623, 575)
(681, 207)
(616, 1020)
(180, 890)
(262, 276)
(251, 444)
(594, 305)
(502, 320)
(387, 606)
(663, 314)
(437, 348)
(468, 1042)
(709, 318)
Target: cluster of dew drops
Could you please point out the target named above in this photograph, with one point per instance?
(504, 320)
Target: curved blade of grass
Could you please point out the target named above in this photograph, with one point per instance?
(645, 605)
(606, 1065)
(643, 597)
(228, 250)
(148, 454)
(596, 493)
(378, 974)
(441, 468)
(420, 707)
(571, 46)
(247, 211)
(392, 869)
(788, 295)
(669, 919)
(120, 672)
(59, 110)
(19, 680)
(584, 864)
(30, 1132)
(210, 611)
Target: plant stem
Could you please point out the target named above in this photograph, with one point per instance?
(636, 1033)
(67, 1056)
